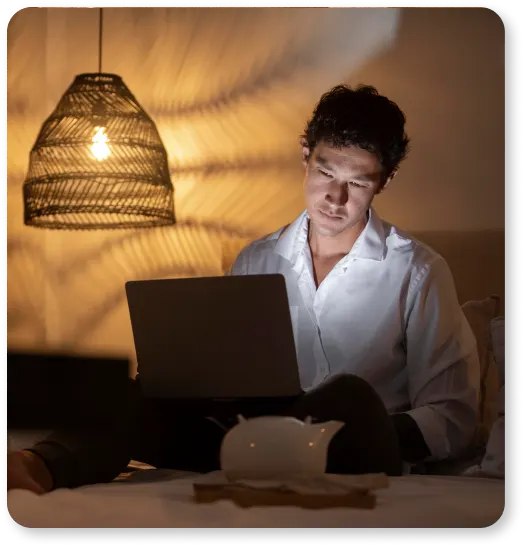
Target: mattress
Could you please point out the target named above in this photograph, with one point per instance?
(162, 498)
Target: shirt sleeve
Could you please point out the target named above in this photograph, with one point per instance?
(241, 264)
(442, 363)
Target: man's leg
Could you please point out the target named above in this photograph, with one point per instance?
(368, 441)
(169, 434)
(177, 435)
(87, 455)
(181, 435)
(161, 433)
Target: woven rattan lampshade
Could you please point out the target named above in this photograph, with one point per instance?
(98, 162)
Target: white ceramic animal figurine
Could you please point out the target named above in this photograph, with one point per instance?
(276, 447)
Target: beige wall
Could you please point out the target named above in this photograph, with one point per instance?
(230, 91)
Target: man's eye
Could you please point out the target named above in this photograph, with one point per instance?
(356, 185)
(325, 173)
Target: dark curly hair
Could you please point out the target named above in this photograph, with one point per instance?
(360, 117)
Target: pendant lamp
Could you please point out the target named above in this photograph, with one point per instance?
(98, 161)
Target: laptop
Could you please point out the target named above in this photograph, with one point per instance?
(225, 337)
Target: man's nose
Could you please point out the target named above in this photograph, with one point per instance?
(337, 194)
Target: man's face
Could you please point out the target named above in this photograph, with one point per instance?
(339, 186)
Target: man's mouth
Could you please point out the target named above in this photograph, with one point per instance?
(330, 215)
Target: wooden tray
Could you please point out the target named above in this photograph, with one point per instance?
(252, 497)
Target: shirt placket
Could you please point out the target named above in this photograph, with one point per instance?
(315, 300)
(319, 301)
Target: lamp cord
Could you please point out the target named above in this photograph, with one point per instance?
(100, 43)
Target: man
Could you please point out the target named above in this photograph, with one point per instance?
(382, 343)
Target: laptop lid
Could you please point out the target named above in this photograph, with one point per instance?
(214, 337)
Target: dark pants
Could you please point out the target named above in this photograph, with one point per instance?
(182, 437)
(179, 435)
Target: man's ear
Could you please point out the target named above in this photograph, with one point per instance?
(306, 152)
(389, 179)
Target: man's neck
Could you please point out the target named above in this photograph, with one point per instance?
(326, 247)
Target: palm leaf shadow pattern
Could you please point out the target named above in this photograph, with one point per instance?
(185, 250)
(30, 291)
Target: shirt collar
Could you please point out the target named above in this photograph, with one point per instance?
(293, 238)
(371, 244)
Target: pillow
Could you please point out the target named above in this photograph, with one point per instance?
(497, 331)
(493, 462)
(480, 314)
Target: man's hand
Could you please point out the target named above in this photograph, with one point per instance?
(28, 471)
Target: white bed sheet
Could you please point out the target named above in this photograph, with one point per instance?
(164, 499)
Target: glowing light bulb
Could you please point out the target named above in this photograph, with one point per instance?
(99, 148)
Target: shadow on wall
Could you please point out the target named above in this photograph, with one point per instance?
(27, 279)
(91, 286)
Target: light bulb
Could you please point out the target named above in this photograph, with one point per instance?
(99, 148)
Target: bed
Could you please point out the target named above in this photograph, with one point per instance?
(162, 498)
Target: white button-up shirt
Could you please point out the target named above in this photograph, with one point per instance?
(387, 312)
